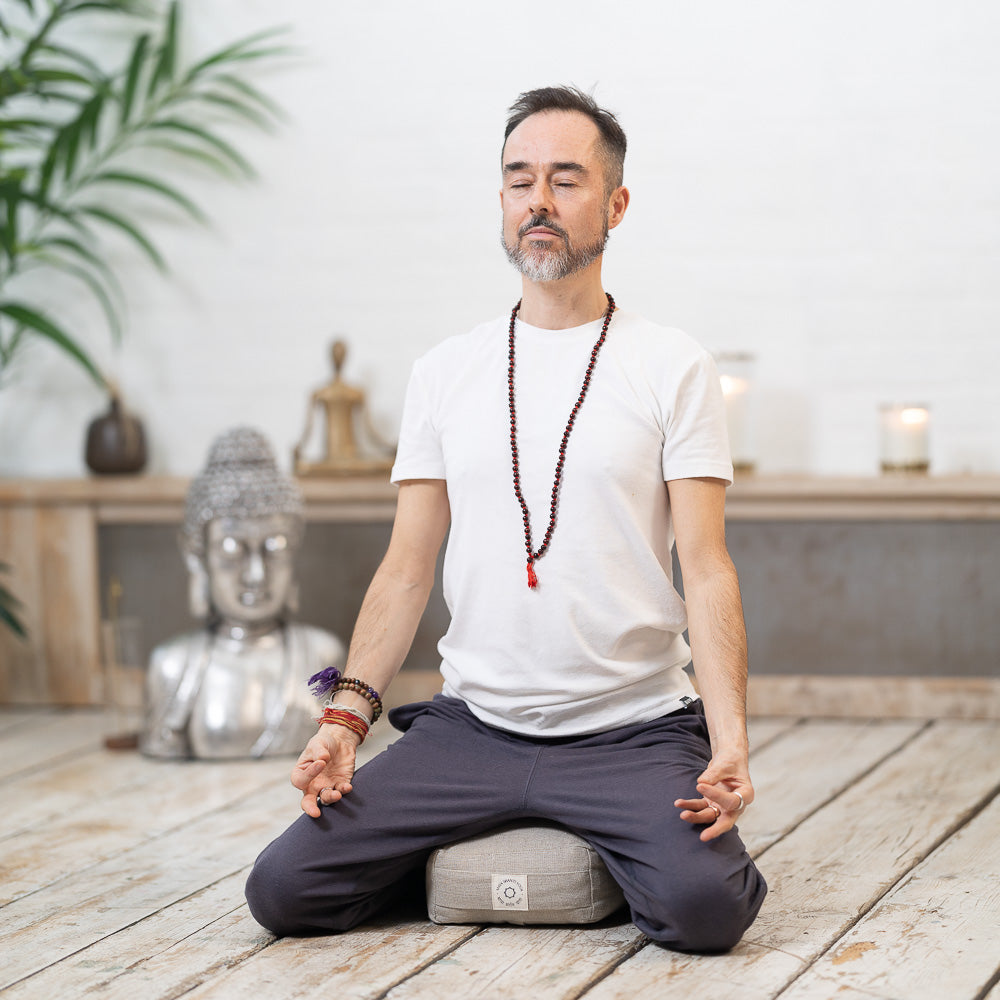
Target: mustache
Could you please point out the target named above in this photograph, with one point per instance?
(538, 221)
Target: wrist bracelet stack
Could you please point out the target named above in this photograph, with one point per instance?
(330, 681)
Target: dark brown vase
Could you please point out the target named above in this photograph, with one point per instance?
(116, 442)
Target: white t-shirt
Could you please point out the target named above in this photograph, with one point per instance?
(598, 643)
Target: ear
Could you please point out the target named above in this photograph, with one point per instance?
(617, 204)
(199, 601)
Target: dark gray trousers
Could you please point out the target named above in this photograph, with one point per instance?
(451, 776)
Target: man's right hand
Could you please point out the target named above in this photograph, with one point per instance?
(326, 766)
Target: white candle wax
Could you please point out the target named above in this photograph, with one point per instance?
(736, 392)
(904, 438)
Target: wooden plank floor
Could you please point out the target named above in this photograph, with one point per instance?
(123, 877)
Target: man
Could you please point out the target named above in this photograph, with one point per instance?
(564, 692)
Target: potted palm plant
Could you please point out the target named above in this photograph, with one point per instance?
(75, 135)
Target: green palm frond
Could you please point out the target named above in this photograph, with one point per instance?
(28, 318)
(74, 137)
(9, 606)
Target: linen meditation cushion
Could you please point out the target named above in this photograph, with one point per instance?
(522, 873)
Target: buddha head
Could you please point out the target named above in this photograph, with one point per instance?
(243, 522)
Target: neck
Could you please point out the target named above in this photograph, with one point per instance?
(560, 305)
(227, 628)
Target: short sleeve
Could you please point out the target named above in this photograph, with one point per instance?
(696, 442)
(419, 454)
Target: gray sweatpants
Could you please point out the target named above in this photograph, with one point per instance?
(451, 776)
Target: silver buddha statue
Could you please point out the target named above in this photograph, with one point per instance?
(238, 687)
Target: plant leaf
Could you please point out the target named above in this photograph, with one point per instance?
(117, 6)
(53, 75)
(10, 192)
(230, 52)
(241, 108)
(167, 61)
(87, 255)
(68, 215)
(70, 145)
(135, 66)
(96, 73)
(151, 184)
(34, 320)
(90, 119)
(248, 90)
(228, 152)
(193, 153)
(12, 621)
(119, 222)
(100, 292)
(22, 124)
(49, 167)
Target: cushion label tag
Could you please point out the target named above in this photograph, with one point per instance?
(510, 892)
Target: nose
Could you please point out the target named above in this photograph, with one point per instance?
(540, 202)
(253, 572)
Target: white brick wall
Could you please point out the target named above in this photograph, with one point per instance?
(813, 182)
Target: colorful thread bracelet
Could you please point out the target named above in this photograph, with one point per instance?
(330, 703)
(365, 690)
(341, 717)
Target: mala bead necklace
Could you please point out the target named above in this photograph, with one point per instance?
(534, 556)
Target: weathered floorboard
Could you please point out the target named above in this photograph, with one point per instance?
(128, 954)
(360, 965)
(141, 865)
(38, 797)
(802, 769)
(85, 906)
(111, 823)
(936, 934)
(836, 864)
(52, 739)
(510, 963)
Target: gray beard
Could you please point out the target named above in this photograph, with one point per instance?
(551, 263)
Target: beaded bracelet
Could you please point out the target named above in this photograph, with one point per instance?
(365, 690)
(343, 717)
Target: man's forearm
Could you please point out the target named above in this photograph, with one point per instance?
(383, 634)
(719, 650)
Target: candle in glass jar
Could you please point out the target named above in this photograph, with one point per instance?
(904, 437)
(735, 376)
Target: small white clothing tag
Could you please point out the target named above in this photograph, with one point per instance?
(510, 892)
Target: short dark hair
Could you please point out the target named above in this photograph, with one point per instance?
(612, 142)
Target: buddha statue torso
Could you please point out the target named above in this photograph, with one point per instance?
(222, 696)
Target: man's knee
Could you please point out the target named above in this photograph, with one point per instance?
(280, 901)
(269, 899)
(708, 917)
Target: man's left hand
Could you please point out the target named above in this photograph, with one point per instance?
(725, 791)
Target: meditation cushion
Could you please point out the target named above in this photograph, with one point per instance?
(523, 873)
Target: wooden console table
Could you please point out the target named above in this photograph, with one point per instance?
(48, 534)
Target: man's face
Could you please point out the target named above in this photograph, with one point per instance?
(554, 199)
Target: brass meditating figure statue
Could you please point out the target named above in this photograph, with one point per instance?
(239, 687)
(345, 411)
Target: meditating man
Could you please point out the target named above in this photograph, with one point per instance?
(567, 445)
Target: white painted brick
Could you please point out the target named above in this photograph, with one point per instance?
(813, 182)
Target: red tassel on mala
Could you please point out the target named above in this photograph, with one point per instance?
(532, 578)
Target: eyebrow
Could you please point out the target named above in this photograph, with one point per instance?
(558, 166)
